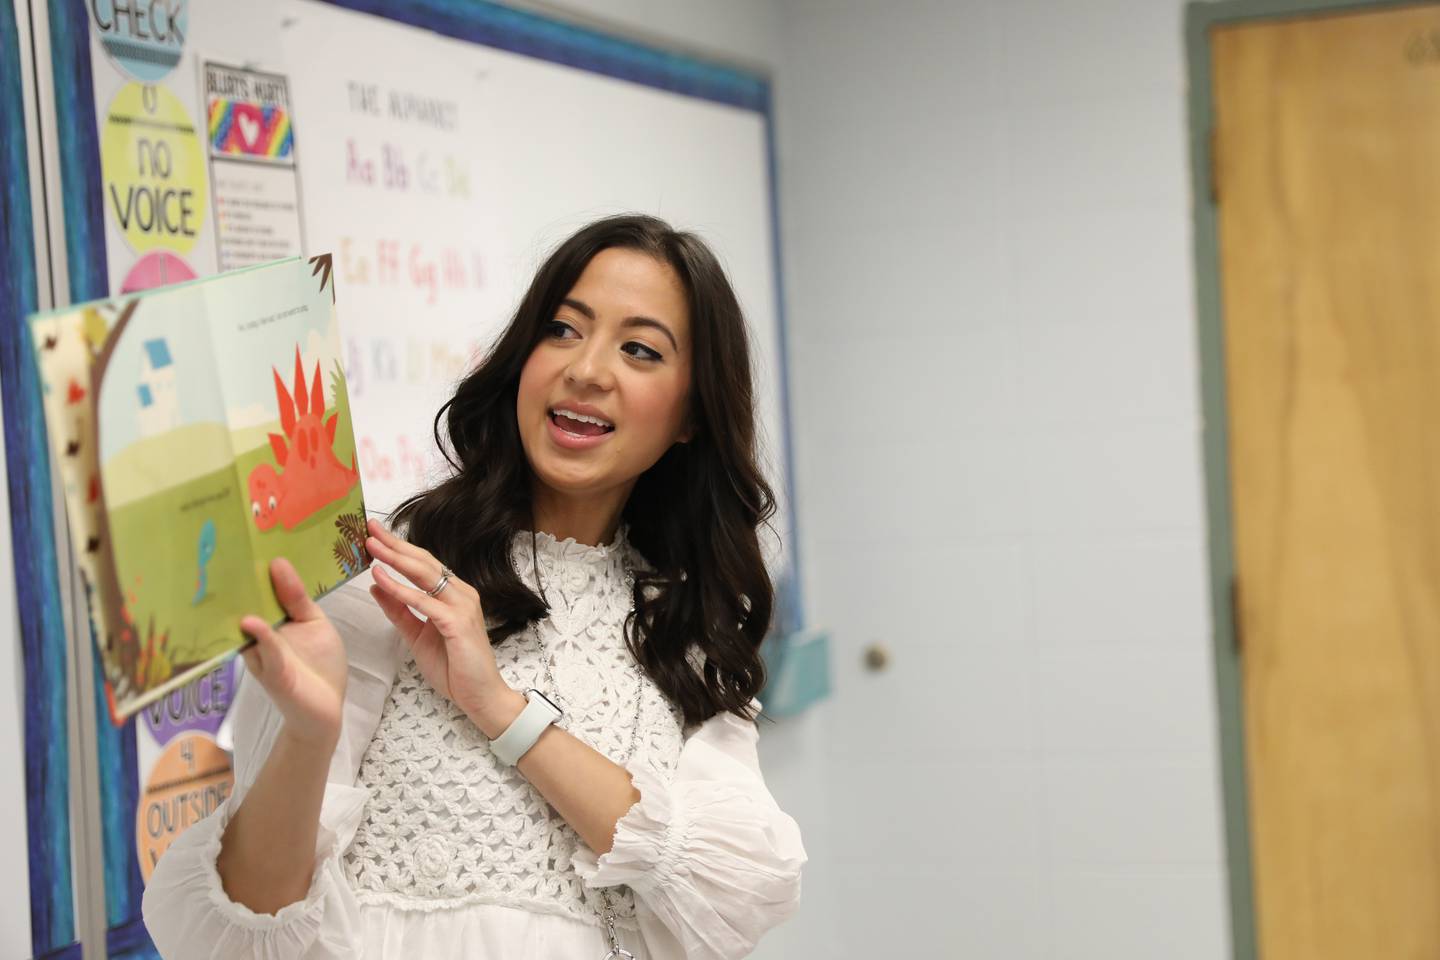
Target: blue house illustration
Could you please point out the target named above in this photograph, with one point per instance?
(159, 398)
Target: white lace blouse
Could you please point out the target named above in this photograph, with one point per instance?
(430, 848)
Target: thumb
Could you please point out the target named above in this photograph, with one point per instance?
(290, 591)
(267, 659)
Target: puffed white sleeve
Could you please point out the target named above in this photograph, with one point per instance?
(709, 854)
(185, 907)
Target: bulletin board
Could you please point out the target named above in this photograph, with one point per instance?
(42, 629)
(438, 149)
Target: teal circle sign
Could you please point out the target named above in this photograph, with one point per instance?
(144, 38)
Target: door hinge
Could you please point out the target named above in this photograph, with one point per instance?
(1236, 618)
(1213, 158)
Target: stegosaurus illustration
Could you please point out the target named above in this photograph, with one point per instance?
(312, 476)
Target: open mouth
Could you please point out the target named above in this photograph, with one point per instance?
(580, 426)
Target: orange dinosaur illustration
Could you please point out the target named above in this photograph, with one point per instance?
(312, 476)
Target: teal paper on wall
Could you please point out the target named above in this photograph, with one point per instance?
(798, 667)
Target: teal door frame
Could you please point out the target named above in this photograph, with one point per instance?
(1200, 19)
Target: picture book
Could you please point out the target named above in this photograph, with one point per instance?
(200, 431)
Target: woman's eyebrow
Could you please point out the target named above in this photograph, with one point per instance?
(650, 322)
(586, 309)
(580, 305)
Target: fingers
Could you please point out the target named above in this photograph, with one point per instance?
(416, 569)
(422, 573)
(265, 659)
(396, 544)
(398, 613)
(405, 595)
(417, 564)
(250, 653)
(290, 591)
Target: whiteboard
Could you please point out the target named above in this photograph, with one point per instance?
(543, 148)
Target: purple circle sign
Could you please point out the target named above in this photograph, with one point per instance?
(199, 705)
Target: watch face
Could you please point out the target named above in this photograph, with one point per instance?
(553, 705)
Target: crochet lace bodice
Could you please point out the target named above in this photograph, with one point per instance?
(448, 824)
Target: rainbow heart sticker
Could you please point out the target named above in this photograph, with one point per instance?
(249, 129)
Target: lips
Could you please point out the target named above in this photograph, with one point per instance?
(575, 431)
(580, 423)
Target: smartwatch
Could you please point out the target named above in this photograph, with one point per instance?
(522, 733)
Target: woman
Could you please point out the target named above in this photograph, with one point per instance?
(596, 548)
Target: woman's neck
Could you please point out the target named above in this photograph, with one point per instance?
(593, 521)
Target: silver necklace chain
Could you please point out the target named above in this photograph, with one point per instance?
(617, 952)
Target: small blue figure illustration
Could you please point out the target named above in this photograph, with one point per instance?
(206, 551)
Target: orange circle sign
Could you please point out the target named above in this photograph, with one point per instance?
(188, 783)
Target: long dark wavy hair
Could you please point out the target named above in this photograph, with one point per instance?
(694, 515)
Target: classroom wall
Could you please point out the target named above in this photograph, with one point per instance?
(985, 216)
(999, 460)
(986, 229)
(994, 394)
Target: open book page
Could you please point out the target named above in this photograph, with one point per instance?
(288, 413)
(208, 462)
(66, 345)
(175, 515)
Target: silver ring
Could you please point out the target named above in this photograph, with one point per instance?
(445, 575)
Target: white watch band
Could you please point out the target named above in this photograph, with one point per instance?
(522, 733)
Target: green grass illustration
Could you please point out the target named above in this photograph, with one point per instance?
(157, 558)
(157, 540)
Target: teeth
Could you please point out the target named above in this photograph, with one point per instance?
(582, 418)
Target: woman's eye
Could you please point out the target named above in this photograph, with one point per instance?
(653, 355)
(556, 327)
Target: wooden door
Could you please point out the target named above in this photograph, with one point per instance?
(1327, 183)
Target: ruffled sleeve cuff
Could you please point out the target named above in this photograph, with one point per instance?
(709, 853)
(188, 913)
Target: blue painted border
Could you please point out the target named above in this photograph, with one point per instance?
(79, 152)
(793, 590)
(533, 35)
(119, 777)
(79, 149)
(130, 941)
(475, 21)
(37, 586)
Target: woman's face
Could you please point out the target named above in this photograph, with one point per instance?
(618, 349)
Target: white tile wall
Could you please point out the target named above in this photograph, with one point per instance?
(1091, 596)
(986, 227)
(1175, 915)
(999, 465)
(968, 913)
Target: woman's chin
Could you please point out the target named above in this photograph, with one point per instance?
(573, 479)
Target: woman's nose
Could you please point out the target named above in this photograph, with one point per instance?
(590, 366)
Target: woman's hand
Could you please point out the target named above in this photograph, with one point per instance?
(302, 665)
(452, 646)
